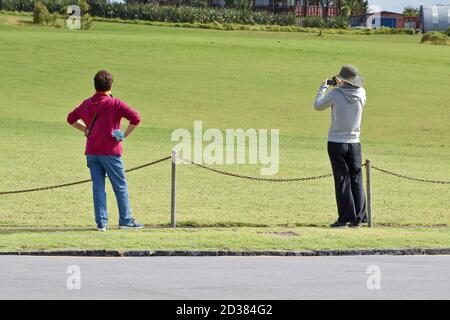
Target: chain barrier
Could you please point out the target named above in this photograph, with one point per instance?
(398, 175)
(78, 182)
(235, 175)
(230, 174)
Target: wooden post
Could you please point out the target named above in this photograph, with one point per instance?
(173, 202)
(369, 193)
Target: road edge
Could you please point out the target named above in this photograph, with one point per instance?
(214, 253)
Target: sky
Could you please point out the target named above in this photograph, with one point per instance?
(394, 5)
(399, 5)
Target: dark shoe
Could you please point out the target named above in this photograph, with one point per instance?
(338, 224)
(101, 227)
(132, 225)
(355, 225)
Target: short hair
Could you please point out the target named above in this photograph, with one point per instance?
(103, 81)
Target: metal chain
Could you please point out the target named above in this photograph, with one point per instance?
(148, 164)
(230, 174)
(398, 175)
(254, 178)
(79, 182)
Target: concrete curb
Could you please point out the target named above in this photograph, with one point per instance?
(195, 253)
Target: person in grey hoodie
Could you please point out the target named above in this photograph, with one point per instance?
(347, 101)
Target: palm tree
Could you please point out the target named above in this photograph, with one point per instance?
(354, 7)
(411, 11)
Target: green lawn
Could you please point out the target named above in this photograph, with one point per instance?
(226, 239)
(175, 76)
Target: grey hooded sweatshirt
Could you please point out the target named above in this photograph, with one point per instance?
(346, 104)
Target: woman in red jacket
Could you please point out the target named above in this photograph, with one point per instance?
(99, 118)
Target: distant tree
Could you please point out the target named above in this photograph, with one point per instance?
(346, 11)
(354, 7)
(84, 6)
(411, 11)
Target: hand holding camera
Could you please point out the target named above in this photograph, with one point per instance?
(333, 82)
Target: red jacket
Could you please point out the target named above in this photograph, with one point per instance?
(109, 112)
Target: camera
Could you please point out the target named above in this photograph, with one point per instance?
(332, 82)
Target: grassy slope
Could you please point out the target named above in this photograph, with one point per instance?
(228, 80)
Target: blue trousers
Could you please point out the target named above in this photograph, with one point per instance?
(113, 167)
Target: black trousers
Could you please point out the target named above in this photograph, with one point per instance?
(346, 160)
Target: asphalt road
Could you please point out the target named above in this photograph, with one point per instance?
(404, 277)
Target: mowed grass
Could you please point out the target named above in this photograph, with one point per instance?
(226, 239)
(240, 79)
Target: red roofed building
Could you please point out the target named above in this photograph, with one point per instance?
(392, 19)
(299, 7)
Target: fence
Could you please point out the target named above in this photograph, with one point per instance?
(175, 158)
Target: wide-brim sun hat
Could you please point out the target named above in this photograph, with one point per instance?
(350, 75)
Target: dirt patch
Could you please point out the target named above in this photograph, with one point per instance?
(17, 21)
(12, 20)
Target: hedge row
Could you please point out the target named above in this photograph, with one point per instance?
(232, 26)
(181, 14)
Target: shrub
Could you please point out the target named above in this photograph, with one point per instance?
(312, 22)
(434, 37)
(42, 16)
(384, 30)
(288, 19)
(329, 23)
(448, 32)
(337, 23)
(52, 20)
(40, 13)
(409, 31)
(86, 21)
